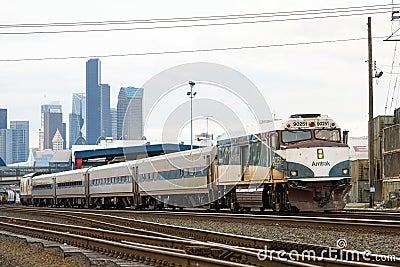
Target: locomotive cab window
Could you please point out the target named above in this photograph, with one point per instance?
(296, 136)
(328, 135)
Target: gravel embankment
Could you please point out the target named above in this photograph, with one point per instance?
(16, 252)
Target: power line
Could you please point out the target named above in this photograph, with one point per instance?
(217, 17)
(189, 51)
(390, 79)
(362, 12)
(394, 91)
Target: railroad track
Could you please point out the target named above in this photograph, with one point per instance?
(352, 221)
(128, 235)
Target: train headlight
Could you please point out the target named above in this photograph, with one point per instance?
(345, 171)
(294, 173)
(320, 153)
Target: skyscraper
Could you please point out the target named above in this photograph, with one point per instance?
(77, 118)
(6, 145)
(75, 126)
(52, 123)
(52, 107)
(3, 118)
(105, 119)
(129, 108)
(20, 140)
(93, 101)
(114, 122)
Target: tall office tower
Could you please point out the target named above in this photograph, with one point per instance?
(105, 119)
(20, 140)
(75, 126)
(93, 104)
(3, 118)
(77, 119)
(129, 108)
(114, 122)
(6, 145)
(52, 123)
(52, 107)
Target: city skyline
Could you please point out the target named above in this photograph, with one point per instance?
(322, 77)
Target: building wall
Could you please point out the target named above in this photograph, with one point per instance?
(93, 105)
(52, 122)
(114, 123)
(359, 170)
(105, 116)
(391, 161)
(3, 118)
(130, 113)
(75, 125)
(6, 145)
(79, 111)
(20, 140)
(52, 107)
(360, 192)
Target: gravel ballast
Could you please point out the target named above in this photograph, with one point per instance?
(17, 252)
(385, 243)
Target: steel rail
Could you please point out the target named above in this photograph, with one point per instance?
(175, 246)
(146, 254)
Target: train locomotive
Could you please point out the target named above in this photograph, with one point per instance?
(302, 165)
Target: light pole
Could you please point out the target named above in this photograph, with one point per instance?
(191, 95)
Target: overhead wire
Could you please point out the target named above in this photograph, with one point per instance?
(391, 71)
(366, 11)
(394, 91)
(197, 18)
(190, 50)
(298, 12)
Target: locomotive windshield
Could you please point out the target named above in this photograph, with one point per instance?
(328, 135)
(296, 136)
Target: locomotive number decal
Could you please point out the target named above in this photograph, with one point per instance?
(323, 123)
(300, 124)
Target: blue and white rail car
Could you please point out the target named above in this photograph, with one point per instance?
(112, 185)
(70, 188)
(44, 190)
(181, 179)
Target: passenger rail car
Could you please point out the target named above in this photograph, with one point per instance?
(177, 180)
(301, 165)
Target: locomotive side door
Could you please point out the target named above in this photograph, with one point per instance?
(276, 160)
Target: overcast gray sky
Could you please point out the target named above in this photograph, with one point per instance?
(328, 78)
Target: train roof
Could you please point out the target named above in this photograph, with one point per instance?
(203, 150)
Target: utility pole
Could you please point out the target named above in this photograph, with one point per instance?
(191, 95)
(370, 120)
